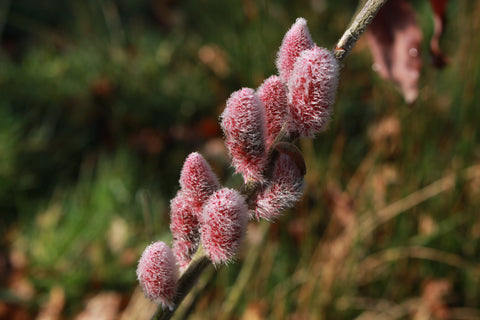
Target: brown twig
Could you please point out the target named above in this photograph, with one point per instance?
(358, 26)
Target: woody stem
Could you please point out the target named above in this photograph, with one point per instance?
(358, 26)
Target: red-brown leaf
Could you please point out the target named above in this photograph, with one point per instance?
(394, 39)
(439, 59)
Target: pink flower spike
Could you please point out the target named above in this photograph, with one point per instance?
(273, 94)
(197, 181)
(158, 274)
(224, 223)
(296, 40)
(184, 225)
(312, 89)
(283, 191)
(243, 123)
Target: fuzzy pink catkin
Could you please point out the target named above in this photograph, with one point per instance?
(197, 181)
(224, 223)
(282, 192)
(296, 40)
(312, 87)
(243, 123)
(273, 94)
(184, 225)
(158, 274)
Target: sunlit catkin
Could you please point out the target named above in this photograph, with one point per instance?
(158, 273)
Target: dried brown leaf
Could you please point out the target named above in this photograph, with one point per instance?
(52, 310)
(118, 234)
(386, 135)
(433, 298)
(439, 59)
(254, 311)
(139, 307)
(148, 140)
(216, 59)
(426, 225)
(382, 177)
(104, 306)
(394, 39)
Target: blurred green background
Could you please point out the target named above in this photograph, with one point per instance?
(101, 101)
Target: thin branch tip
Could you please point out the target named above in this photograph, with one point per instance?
(357, 27)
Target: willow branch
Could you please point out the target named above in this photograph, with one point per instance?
(188, 279)
(358, 26)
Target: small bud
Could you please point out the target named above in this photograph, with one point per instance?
(293, 153)
(296, 40)
(158, 274)
(273, 94)
(184, 250)
(243, 123)
(184, 225)
(282, 192)
(312, 89)
(197, 181)
(224, 223)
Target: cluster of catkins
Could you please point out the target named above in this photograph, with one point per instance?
(297, 102)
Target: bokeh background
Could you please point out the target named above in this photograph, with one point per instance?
(101, 101)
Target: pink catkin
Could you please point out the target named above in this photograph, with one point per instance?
(197, 181)
(224, 223)
(243, 123)
(296, 40)
(282, 192)
(273, 94)
(184, 225)
(158, 274)
(312, 89)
